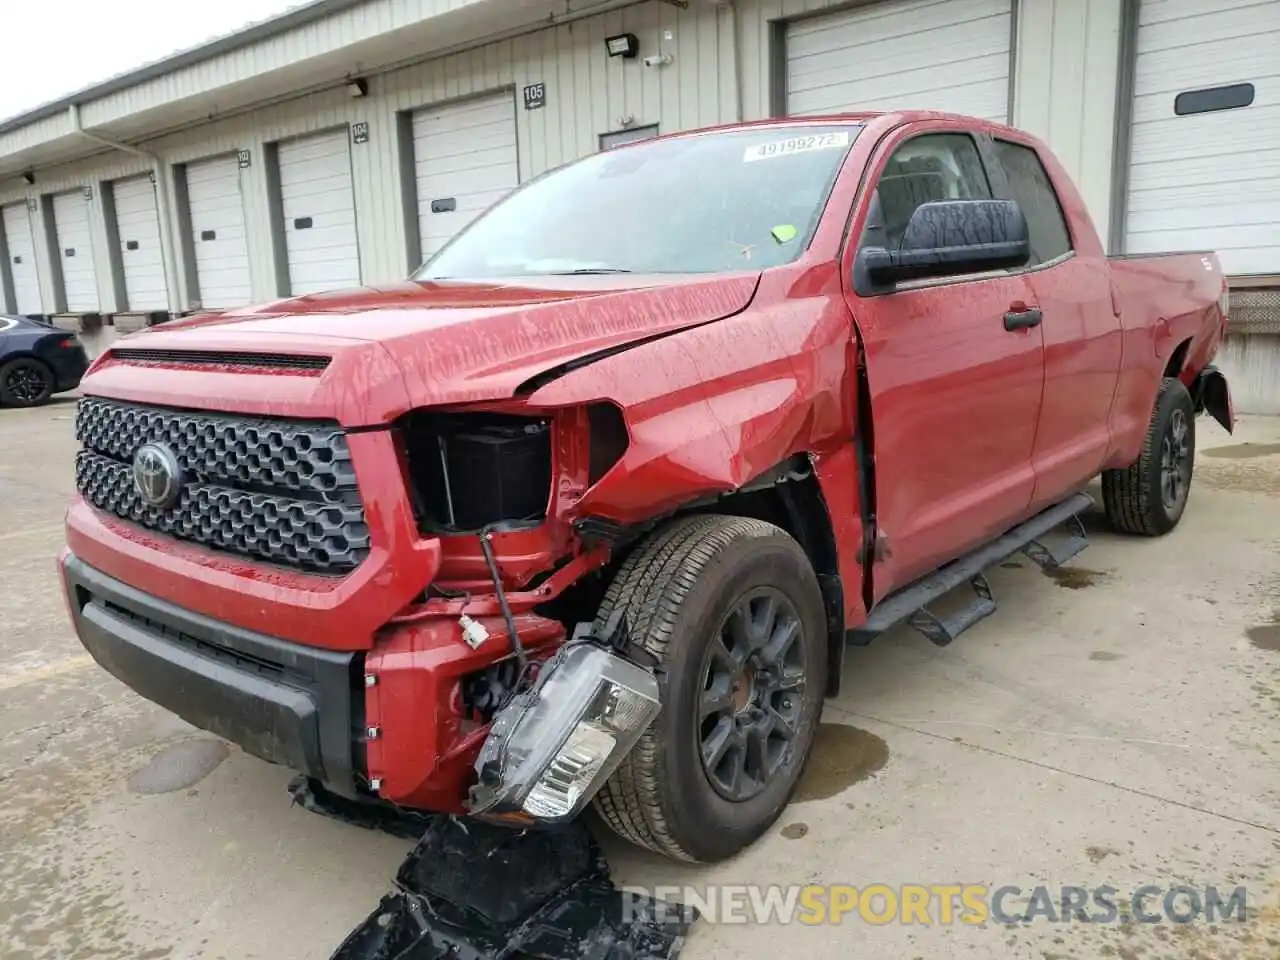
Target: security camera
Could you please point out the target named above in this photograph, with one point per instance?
(658, 60)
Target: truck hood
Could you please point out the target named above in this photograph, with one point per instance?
(410, 345)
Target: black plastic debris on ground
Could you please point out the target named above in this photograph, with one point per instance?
(476, 891)
(370, 814)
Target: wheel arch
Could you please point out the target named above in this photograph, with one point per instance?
(1178, 359)
(789, 496)
(24, 354)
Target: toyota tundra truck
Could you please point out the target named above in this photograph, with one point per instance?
(586, 512)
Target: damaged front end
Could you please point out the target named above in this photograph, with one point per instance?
(553, 746)
(499, 488)
(489, 886)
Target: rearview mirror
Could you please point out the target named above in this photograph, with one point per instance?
(951, 237)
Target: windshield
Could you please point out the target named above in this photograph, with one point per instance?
(745, 199)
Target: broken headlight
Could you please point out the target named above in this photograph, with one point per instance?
(553, 746)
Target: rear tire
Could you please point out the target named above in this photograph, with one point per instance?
(702, 594)
(1149, 497)
(25, 382)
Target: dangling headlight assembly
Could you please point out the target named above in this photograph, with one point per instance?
(555, 745)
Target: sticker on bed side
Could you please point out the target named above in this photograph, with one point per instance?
(784, 233)
(793, 145)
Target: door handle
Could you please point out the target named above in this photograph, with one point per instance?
(1022, 319)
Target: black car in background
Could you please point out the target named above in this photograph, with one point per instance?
(37, 360)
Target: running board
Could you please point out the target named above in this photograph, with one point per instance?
(1058, 546)
(1037, 538)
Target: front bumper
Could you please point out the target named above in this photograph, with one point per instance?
(390, 720)
(280, 701)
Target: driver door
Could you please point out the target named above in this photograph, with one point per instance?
(954, 395)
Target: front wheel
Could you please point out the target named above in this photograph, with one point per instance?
(1150, 496)
(731, 609)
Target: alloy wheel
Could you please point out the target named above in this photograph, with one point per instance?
(750, 698)
(1175, 461)
(25, 383)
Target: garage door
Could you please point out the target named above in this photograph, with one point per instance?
(138, 224)
(903, 54)
(75, 251)
(319, 213)
(22, 258)
(465, 161)
(218, 234)
(1204, 169)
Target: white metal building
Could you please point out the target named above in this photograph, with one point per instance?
(346, 140)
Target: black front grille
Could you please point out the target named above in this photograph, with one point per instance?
(277, 490)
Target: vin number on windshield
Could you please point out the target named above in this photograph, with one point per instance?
(785, 148)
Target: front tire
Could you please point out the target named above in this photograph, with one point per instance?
(1150, 496)
(25, 382)
(731, 608)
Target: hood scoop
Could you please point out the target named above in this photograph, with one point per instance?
(228, 360)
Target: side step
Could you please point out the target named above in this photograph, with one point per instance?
(1037, 538)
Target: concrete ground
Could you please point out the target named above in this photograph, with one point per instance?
(1114, 725)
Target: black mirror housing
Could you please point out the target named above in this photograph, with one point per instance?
(949, 238)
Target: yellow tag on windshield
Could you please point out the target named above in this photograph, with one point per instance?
(784, 233)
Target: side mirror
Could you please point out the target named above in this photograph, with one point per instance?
(947, 238)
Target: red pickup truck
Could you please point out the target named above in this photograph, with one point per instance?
(587, 511)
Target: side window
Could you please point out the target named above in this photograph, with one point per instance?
(935, 166)
(1033, 190)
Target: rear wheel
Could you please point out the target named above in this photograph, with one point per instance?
(1150, 496)
(25, 382)
(731, 609)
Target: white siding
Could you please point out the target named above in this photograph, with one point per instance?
(22, 258)
(1065, 89)
(34, 135)
(141, 256)
(75, 178)
(75, 248)
(588, 94)
(465, 160)
(903, 55)
(400, 27)
(319, 213)
(1065, 75)
(1252, 367)
(1207, 180)
(218, 233)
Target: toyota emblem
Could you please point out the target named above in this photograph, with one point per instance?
(157, 475)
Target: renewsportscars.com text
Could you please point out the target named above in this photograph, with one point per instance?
(944, 904)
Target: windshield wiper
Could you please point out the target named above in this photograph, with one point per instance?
(587, 271)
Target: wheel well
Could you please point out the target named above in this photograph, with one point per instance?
(788, 496)
(8, 358)
(1177, 359)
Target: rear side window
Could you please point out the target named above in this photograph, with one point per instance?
(1033, 190)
